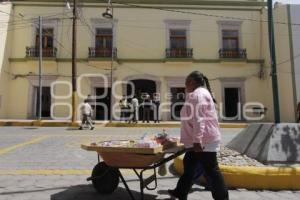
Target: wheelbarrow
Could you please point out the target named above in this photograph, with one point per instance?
(106, 174)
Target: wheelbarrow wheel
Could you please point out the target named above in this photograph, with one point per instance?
(105, 179)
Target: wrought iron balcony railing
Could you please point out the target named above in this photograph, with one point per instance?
(179, 53)
(35, 52)
(102, 52)
(233, 53)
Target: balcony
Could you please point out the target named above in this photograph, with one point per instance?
(35, 52)
(102, 52)
(233, 53)
(179, 53)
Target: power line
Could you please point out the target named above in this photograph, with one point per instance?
(62, 46)
(130, 42)
(82, 19)
(150, 27)
(24, 26)
(70, 54)
(203, 14)
(197, 13)
(10, 14)
(92, 31)
(288, 60)
(16, 22)
(153, 27)
(24, 21)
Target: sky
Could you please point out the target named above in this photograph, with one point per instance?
(288, 1)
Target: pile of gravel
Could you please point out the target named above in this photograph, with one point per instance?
(233, 158)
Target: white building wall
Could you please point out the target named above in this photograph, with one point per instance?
(5, 38)
(295, 19)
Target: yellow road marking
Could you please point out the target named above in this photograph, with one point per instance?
(30, 142)
(60, 172)
(45, 172)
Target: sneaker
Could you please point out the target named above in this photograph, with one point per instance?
(92, 128)
(80, 128)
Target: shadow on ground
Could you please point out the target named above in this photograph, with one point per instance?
(87, 192)
(16, 192)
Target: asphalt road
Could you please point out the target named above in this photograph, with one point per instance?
(48, 163)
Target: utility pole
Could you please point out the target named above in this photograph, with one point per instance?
(74, 69)
(109, 14)
(111, 70)
(40, 66)
(273, 63)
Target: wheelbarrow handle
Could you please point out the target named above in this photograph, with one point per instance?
(171, 157)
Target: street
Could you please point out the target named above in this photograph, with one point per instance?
(48, 163)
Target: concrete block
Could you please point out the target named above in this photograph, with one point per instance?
(269, 143)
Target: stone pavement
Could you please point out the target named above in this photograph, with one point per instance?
(41, 163)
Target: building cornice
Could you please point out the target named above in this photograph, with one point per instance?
(250, 9)
(160, 2)
(133, 60)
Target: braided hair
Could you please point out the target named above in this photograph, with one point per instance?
(201, 80)
(209, 88)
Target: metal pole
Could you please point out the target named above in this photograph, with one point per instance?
(40, 66)
(111, 65)
(273, 63)
(74, 70)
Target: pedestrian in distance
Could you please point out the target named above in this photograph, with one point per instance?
(86, 112)
(135, 107)
(200, 134)
(123, 107)
(156, 104)
(298, 112)
(129, 110)
(91, 101)
(147, 105)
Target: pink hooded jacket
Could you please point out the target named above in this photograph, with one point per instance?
(199, 120)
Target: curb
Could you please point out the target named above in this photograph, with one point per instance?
(113, 124)
(269, 178)
(237, 125)
(39, 123)
(16, 123)
(177, 125)
(142, 125)
(56, 124)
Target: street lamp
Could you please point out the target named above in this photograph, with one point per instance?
(68, 6)
(108, 14)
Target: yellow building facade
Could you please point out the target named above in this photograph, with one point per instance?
(155, 46)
